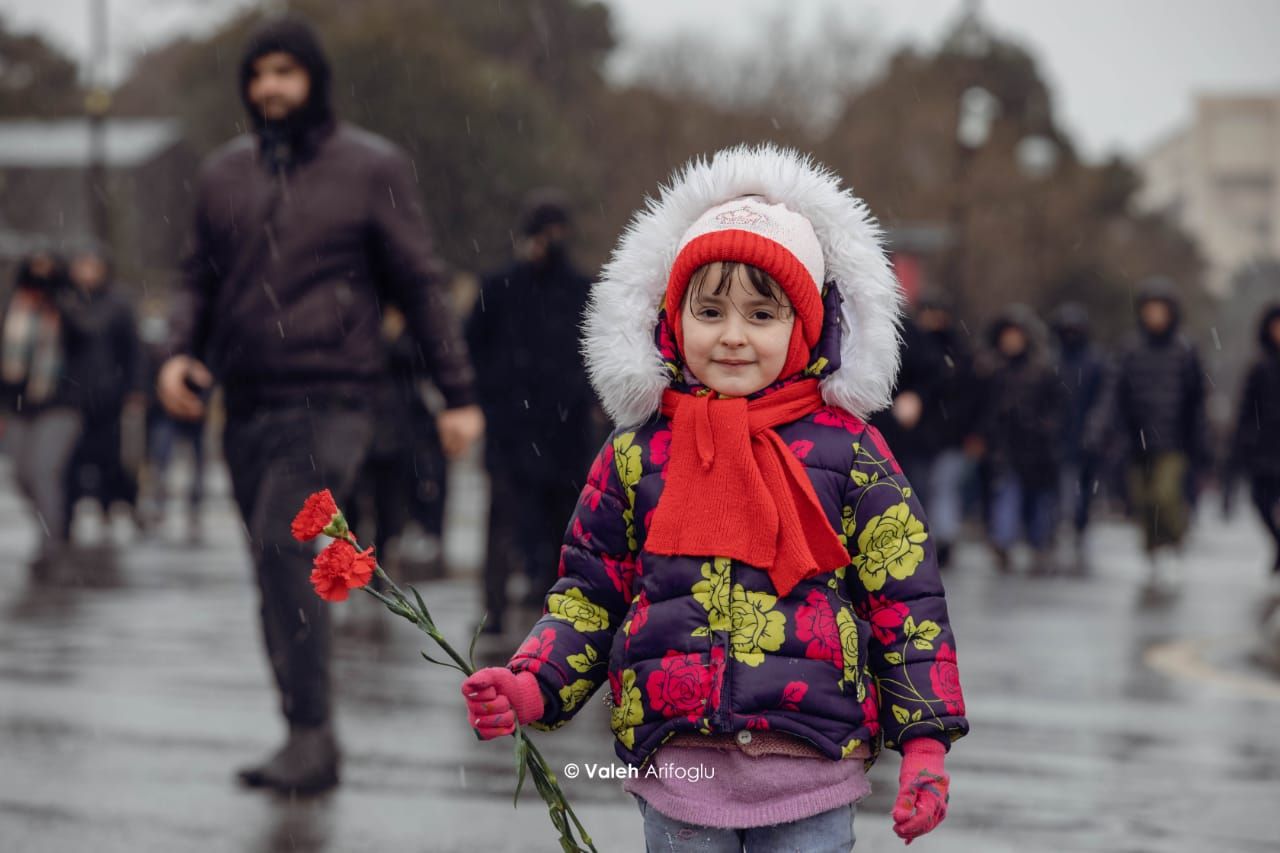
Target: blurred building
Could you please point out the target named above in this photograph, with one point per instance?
(45, 187)
(1219, 179)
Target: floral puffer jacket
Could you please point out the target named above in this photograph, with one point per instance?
(704, 644)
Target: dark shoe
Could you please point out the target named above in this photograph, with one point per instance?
(306, 764)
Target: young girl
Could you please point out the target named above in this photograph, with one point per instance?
(747, 565)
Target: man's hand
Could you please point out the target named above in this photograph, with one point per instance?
(459, 429)
(177, 375)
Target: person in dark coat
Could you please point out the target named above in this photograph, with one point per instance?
(1022, 411)
(1160, 403)
(404, 476)
(523, 334)
(1255, 452)
(41, 420)
(934, 413)
(105, 371)
(303, 228)
(1082, 369)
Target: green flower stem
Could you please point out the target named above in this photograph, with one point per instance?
(543, 778)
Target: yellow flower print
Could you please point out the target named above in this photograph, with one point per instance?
(847, 526)
(848, 627)
(574, 608)
(848, 748)
(889, 543)
(573, 695)
(626, 458)
(629, 713)
(755, 627)
(712, 592)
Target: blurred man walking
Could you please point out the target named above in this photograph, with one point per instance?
(1159, 397)
(303, 227)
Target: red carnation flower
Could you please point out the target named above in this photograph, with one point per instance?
(316, 514)
(339, 568)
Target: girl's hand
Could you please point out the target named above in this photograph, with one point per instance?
(922, 789)
(497, 697)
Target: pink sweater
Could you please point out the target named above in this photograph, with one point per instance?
(728, 784)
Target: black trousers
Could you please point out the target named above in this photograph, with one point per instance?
(527, 522)
(277, 456)
(1265, 492)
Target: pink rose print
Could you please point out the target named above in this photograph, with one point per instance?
(793, 695)
(639, 616)
(660, 447)
(535, 651)
(598, 477)
(816, 625)
(681, 687)
(579, 532)
(758, 723)
(871, 712)
(801, 448)
(560, 569)
(833, 417)
(717, 675)
(944, 676)
(621, 572)
(884, 616)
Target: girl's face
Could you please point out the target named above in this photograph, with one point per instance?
(735, 336)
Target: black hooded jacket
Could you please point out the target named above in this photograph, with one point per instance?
(1023, 404)
(302, 229)
(1256, 450)
(1159, 391)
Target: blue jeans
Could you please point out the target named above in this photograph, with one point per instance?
(828, 832)
(1026, 508)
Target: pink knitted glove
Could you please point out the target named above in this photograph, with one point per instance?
(497, 697)
(922, 789)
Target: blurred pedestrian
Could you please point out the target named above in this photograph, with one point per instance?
(164, 434)
(934, 413)
(303, 227)
(1160, 402)
(1022, 416)
(1255, 452)
(105, 372)
(1082, 369)
(404, 476)
(523, 335)
(42, 422)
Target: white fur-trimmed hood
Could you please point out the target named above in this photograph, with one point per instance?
(618, 332)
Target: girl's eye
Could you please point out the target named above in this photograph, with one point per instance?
(708, 313)
(762, 316)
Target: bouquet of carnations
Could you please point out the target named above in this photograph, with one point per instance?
(342, 567)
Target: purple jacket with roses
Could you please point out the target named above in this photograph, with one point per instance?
(703, 644)
(860, 656)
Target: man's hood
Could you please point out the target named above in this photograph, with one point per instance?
(294, 36)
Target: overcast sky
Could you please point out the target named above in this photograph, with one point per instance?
(1124, 72)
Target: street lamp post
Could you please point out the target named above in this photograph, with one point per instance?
(1037, 157)
(978, 109)
(96, 103)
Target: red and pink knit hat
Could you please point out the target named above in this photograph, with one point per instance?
(779, 241)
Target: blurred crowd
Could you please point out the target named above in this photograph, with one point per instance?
(1021, 432)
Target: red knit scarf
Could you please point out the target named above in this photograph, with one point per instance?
(734, 489)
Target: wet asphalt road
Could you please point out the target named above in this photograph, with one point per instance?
(129, 692)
